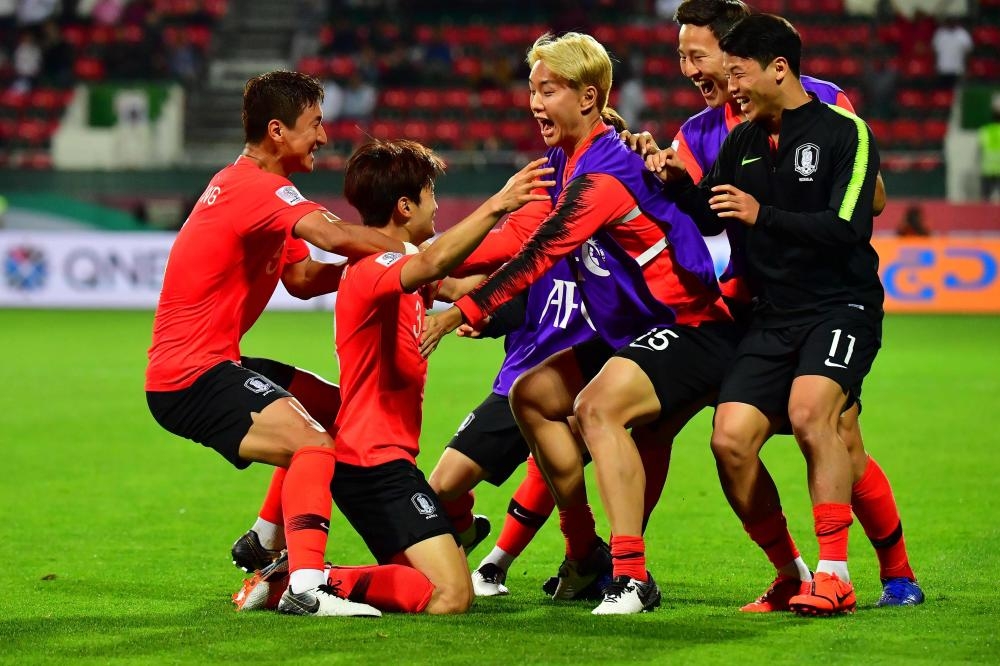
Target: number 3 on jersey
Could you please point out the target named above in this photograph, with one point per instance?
(835, 349)
(418, 326)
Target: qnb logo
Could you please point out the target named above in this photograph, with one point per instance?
(424, 505)
(25, 268)
(258, 385)
(593, 258)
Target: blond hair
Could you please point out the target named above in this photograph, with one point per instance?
(579, 59)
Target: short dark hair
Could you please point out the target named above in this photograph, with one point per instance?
(380, 172)
(277, 95)
(718, 15)
(764, 37)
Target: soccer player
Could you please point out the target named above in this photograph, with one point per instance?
(800, 175)
(489, 446)
(379, 320)
(702, 24)
(221, 272)
(650, 289)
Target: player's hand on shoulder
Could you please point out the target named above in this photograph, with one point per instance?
(642, 143)
(520, 188)
(666, 164)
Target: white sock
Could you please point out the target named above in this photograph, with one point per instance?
(797, 569)
(499, 557)
(301, 580)
(838, 567)
(271, 536)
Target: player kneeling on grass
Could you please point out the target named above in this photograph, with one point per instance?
(379, 320)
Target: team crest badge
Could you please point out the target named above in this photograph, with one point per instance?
(423, 504)
(807, 159)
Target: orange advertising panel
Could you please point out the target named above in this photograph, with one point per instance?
(940, 274)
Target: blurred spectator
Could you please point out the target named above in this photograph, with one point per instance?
(989, 156)
(27, 62)
(184, 59)
(34, 12)
(309, 15)
(952, 45)
(360, 98)
(437, 57)
(333, 100)
(397, 68)
(880, 84)
(57, 56)
(912, 224)
(108, 12)
(497, 69)
(345, 36)
(665, 9)
(631, 93)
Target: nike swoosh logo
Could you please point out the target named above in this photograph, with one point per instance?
(749, 160)
(834, 365)
(842, 597)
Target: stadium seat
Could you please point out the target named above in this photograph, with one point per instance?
(934, 132)
(659, 68)
(687, 99)
(417, 130)
(912, 100)
(313, 66)
(448, 134)
(987, 36)
(906, 133)
(89, 68)
(468, 67)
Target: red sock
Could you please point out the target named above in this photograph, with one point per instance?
(389, 587)
(271, 509)
(656, 463)
(832, 521)
(772, 535)
(875, 507)
(529, 508)
(459, 511)
(628, 556)
(577, 525)
(306, 498)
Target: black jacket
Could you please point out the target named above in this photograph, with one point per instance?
(810, 249)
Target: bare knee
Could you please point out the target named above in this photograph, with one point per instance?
(732, 448)
(810, 426)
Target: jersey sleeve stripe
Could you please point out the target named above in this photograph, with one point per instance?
(860, 169)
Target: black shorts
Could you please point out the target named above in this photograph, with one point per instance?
(686, 364)
(591, 357)
(489, 436)
(390, 505)
(841, 346)
(216, 410)
(279, 373)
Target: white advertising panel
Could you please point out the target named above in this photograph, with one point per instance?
(93, 269)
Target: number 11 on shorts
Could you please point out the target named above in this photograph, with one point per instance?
(832, 356)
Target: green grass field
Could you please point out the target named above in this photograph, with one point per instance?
(115, 535)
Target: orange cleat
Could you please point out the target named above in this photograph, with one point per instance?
(776, 597)
(828, 595)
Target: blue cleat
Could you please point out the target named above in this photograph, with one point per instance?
(900, 592)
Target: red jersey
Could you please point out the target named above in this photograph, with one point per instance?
(587, 204)
(382, 373)
(222, 270)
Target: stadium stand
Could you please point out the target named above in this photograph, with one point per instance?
(478, 100)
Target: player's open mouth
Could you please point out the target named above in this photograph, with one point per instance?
(743, 102)
(547, 126)
(706, 87)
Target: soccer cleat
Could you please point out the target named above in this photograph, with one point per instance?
(323, 601)
(626, 595)
(250, 555)
(488, 581)
(482, 525)
(263, 590)
(900, 592)
(577, 577)
(827, 595)
(776, 597)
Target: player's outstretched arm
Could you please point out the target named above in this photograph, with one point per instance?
(328, 232)
(458, 242)
(310, 278)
